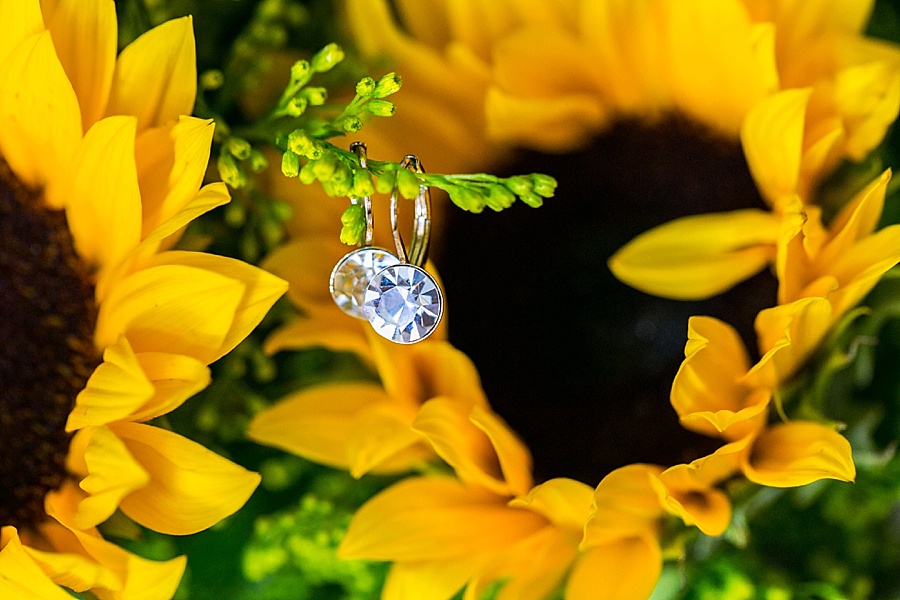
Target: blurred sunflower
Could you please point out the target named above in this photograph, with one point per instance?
(103, 329)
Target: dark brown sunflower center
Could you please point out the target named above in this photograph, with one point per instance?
(580, 364)
(47, 318)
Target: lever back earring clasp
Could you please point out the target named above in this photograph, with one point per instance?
(353, 271)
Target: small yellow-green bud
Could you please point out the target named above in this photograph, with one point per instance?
(281, 211)
(341, 179)
(520, 184)
(239, 148)
(365, 87)
(544, 185)
(327, 57)
(380, 108)
(387, 85)
(300, 143)
(325, 167)
(230, 171)
(258, 161)
(467, 198)
(407, 183)
(307, 173)
(290, 164)
(362, 184)
(532, 199)
(235, 214)
(316, 96)
(296, 106)
(300, 71)
(499, 197)
(351, 124)
(385, 182)
(212, 79)
(354, 224)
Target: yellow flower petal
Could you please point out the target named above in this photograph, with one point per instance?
(564, 502)
(512, 453)
(855, 221)
(306, 263)
(625, 569)
(431, 580)
(171, 163)
(112, 474)
(40, 122)
(799, 453)
(625, 505)
(324, 329)
(862, 267)
(381, 440)
(261, 290)
(175, 378)
(84, 34)
(772, 137)
(788, 334)
(156, 75)
(104, 204)
(190, 487)
(688, 495)
(117, 388)
(20, 576)
(74, 571)
(698, 256)
(434, 518)
(18, 22)
(867, 97)
(317, 423)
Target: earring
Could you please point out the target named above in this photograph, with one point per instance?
(403, 302)
(352, 273)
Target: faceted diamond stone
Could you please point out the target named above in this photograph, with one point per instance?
(351, 275)
(404, 304)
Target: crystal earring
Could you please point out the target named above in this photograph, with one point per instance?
(353, 272)
(403, 302)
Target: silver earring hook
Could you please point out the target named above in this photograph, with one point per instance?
(418, 250)
(359, 149)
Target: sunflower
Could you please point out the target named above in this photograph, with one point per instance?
(103, 328)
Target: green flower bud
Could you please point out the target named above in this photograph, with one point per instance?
(300, 71)
(365, 87)
(327, 57)
(520, 184)
(300, 143)
(272, 233)
(325, 167)
(380, 108)
(351, 124)
(362, 184)
(316, 96)
(307, 173)
(499, 197)
(290, 164)
(387, 85)
(467, 198)
(230, 171)
(235, 214)
(544, 185)
(385, 182)
(212, 79)
(296, 106)
(258, 161)
(407, 183)
(531, 199)
(354, 224)
(239, 148)
(281, 211)
(341, 179)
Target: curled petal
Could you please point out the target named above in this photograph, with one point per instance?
(20, 575)
(799, 453)
(685, 494)
(625, 505)
(564, 502)
(623, 569)
(699, 256)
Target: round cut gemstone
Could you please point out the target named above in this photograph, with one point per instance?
(351, 275)
(404, 304)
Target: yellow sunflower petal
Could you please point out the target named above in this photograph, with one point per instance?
(112, 474)
(172, 308)
(626, 569)
(698, 256)
(117, 388)
(431, 580)
(171, 162)
(788, 334)
(862, 267)
(190, 487)
(317, 423)
(772, 137)
(564, 502)
(40, 122)
(175, 379)
(18, 22)
(325, 329)
(156, 75)
(434, 518)
(856, 220)
(530, 570)
(868, 98)
(104, 206)
(688, 496)
(625, 504)
(512, 453)
(261, 290)
(799, 453)
(84, 33)
(381, 440)
(20, 576)
(74, 571)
